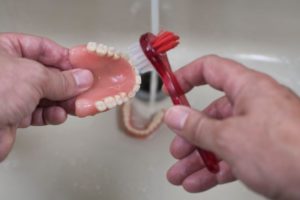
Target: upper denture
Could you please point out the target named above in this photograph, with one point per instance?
(115, 79)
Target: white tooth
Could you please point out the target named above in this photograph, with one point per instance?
(123, 55)
(131, 94)
(91, 46)
(100, 105)
(124, 96)
(101, 50)
(131, 63)
(118, 99)
(136, 70)
(110, 102)
(116, 56)
(138, 79)
(136, 88)
(111, 51)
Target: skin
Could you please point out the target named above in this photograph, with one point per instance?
(37, 85)
(254, 129)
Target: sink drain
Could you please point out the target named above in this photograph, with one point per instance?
(144, 92)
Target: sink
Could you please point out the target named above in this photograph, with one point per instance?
(92, 158)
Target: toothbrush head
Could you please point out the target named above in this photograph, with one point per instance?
(155, 48)
(151, 50)
(165, 41)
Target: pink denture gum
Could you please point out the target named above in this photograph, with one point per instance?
(115, 79)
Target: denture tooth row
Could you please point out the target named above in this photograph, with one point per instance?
(118, 99)
(111, 51)
(101, 106)
(117, 56)
(103, 50)
(138, 79)
(132, 130)
(92, 46)
(124, 97)
(111, 102)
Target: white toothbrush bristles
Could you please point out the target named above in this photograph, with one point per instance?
(138, 58)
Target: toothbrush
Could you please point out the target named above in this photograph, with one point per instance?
(149, 53)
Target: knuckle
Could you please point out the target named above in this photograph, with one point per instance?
(253, 82)
(261, 80)
(287, 92)
(210, 59)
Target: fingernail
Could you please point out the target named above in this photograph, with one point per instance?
(83, 78)
(176, 117)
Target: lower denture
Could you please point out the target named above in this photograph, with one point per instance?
(115, 79)
(128, 124)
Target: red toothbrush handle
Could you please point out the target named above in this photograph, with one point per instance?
(156, 55)
(178, 98)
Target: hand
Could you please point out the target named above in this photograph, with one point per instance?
(254, 129)
(37, 84)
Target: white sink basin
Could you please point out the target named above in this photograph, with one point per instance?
(91, 158)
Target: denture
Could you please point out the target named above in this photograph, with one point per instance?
(115, 78)
(139, 130)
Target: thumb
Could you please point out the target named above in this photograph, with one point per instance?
(194, 126)
(62, 85)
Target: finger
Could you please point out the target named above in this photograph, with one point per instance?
(68, 105)
(47, 103)
(51, 115)
(199, 181)
(198, 129)
(37, 48)
(37, 118)
(180, 148)
(55, 115)
(222, 74)
(7, 139)
(219, 109)
(66, 84)
(225, 174)
(184, 168)
(203, 180)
